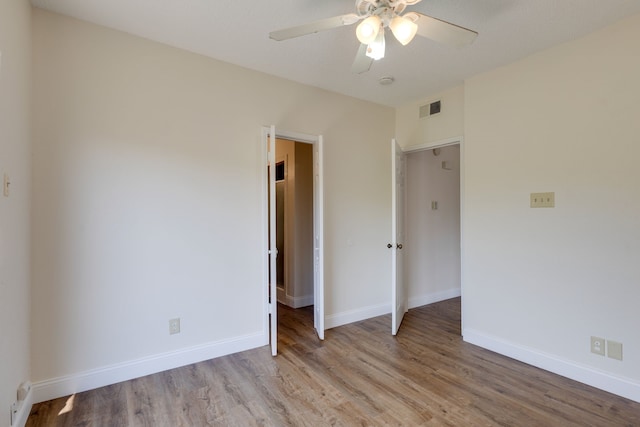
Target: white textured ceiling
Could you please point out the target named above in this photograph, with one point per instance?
(236, 31)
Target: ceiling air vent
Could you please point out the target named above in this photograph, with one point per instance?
(430, 109)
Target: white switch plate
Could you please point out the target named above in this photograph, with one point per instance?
(543, 200)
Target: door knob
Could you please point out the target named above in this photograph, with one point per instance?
(399, 246)
(389, 245)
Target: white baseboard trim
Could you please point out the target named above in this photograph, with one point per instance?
(24, 410)
(94, 378)
(346, 317)
(303, 301)
(420, 300)
(585, 374)
(294, 302)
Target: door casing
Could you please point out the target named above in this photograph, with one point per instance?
(318, 212)
(458, 140)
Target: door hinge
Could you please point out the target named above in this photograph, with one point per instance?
(270, 308)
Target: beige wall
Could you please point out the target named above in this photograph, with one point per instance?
(285, 152)
(138, 146)
(545, 280)
(143, 156)
(411, 130)
(15, 152)
(303, 228)
(432, 249)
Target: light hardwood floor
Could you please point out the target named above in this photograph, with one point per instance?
(359, 376)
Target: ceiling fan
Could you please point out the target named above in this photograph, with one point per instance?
(376, 16)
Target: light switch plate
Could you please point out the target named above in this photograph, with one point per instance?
(543, 200)
(5, 185)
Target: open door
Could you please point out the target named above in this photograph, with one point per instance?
(399, 294)
(318, 239)
(271, 277)
(273, 250)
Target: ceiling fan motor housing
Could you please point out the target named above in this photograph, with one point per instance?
(386, 9)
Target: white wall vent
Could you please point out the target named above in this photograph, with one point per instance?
(430, 109)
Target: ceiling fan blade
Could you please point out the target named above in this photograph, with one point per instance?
(442, 31)
(361, 63)
(314, 27)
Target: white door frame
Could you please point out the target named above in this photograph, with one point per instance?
(272, 252)
(457, 140)
(318, 208)
(436, 144)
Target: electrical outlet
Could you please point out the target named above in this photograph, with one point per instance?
(597, 345)
(614, 350)
(14, 412)
(174, 326)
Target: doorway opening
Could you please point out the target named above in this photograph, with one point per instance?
(293, 207)
(432, 259)
(294, 223)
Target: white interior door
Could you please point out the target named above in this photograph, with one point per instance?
(318, 239)
(273, 250)
(399, 294)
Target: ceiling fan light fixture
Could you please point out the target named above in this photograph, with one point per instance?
(375, 49)
(403, 29)
(368, 30)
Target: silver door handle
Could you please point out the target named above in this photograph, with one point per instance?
(389, 245)
(399, 246)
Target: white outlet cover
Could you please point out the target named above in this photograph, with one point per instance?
(614, 350)
(598, 346)
(14, 412)
(174, 326)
